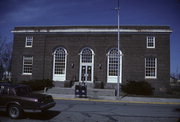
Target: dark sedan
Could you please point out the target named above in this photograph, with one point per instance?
(16, 99)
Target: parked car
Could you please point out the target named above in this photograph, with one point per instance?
(17, 99)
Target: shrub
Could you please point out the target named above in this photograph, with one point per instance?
(137, 88)
(38, 84)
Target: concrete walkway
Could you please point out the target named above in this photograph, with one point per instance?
(106, 95)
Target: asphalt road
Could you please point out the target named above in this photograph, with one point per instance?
(88, 111)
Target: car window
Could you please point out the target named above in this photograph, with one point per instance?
(3, 90)
(10, 92)
(23, 91)
(6, 91)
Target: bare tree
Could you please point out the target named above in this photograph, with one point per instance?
(1, 71)
(176, 75)
(5, 55)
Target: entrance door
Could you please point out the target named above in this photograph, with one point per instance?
(86, 73)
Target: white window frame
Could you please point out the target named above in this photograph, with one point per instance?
(59, 77)
(113, 79)
(30, 58)
(29, 39)
(155, 67)
(150, 38)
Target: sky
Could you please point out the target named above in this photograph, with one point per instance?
(93, 12)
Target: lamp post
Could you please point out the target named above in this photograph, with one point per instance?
(118, 76)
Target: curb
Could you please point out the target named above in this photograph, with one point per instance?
(116, 101)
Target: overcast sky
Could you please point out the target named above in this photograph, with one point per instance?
(93, 12)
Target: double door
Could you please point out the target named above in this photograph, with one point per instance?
(86, 73)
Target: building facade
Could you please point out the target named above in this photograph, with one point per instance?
(89, 53)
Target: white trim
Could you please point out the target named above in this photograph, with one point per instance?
(87, 64)
(113, 79)
(53, 64)
(90, 30)
(26, 73)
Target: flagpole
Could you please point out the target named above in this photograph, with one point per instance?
(118, 76)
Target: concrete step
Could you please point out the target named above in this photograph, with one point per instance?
(59, 90)
(89, 85)
(90, 92)
(100, 92)
(58, 84)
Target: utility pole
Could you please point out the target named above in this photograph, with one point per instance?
(118, 76)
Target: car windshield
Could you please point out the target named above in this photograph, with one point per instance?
(23, 91)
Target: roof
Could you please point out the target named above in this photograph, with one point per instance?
(90, 29)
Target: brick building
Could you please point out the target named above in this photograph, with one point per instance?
(89, 53)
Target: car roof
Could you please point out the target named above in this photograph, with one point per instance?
(4, 84)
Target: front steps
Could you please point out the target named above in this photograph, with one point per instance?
(90, 91)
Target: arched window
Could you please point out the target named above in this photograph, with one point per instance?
(59, 64)
(86, 64)
(86, 55)
(112, 65)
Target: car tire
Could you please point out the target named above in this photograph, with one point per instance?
(14, 111)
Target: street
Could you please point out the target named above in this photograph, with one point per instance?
(91, 111)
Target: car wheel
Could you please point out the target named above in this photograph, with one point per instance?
(14, 111)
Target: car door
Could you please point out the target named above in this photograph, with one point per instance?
(3, 96)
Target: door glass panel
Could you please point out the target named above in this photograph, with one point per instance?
(88, 73)
(83, 73)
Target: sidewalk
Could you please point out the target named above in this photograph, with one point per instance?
(107, 95)
(126, 99)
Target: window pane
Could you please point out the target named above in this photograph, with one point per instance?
(86, 55)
